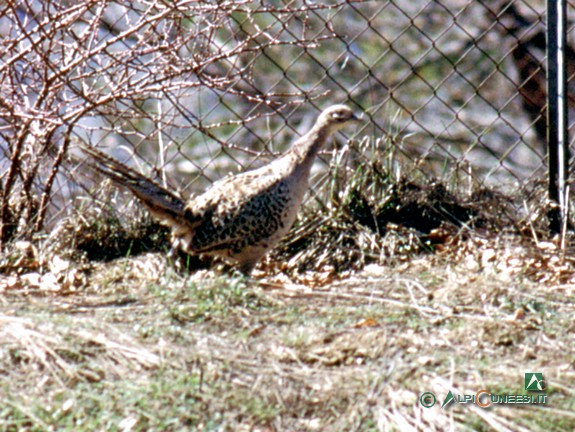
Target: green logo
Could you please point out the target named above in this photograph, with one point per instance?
(534, 381)
(484, 398)
(448, 399)
(427, 399)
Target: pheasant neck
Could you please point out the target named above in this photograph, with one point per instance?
(307, 147)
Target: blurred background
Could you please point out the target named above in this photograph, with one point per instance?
(187, 92)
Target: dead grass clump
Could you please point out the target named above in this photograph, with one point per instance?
(372, 191)
(510, 254)
(374, 216)
(68, 353)
(104, 237)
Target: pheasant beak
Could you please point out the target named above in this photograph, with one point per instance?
(354, 118)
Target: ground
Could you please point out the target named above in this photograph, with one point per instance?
(135, 345)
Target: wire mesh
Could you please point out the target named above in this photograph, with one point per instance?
(187, 92)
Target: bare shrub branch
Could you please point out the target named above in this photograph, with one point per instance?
(68, 68)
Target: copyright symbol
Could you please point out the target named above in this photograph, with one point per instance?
(427, 399)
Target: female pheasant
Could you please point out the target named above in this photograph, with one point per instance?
(241, 217)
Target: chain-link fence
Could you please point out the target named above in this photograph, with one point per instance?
(188, 91)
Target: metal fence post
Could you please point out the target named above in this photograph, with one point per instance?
(557, 137)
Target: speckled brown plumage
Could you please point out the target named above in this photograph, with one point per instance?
(242, 216)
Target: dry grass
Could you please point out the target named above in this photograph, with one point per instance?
(361, 310)
(140, 347)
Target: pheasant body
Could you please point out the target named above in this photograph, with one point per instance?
(240, 217)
